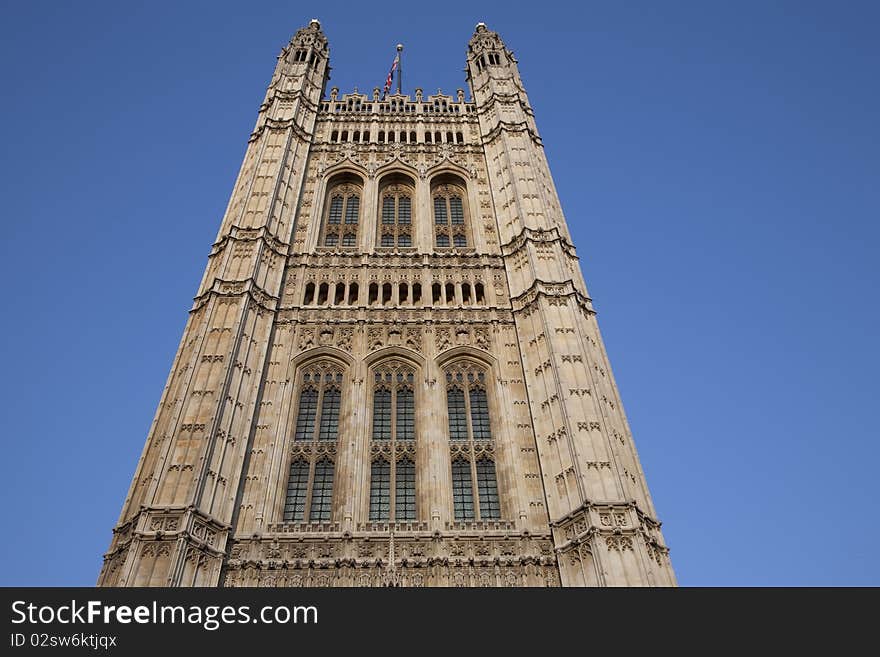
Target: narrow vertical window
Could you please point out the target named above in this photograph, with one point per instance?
(456, 213)
(462, 490)
(382, 414)
(322, 491)
(380, 490)
(305, 419)
(405, 415)
(297, 489)
(335, 214)
(457, 419)
(351, 209)
(440, 211)
(487, 489)
(480, 415)
(405, 491)
(329, 429)
(388, 210)
(403, 210)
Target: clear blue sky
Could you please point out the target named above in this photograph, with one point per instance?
(718, 163)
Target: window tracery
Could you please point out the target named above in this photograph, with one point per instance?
(393, 444)
(396, 214)
(450, 216)
(474, 483)
(342, 213)
(309, 494)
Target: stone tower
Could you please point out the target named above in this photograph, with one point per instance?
(392, 372)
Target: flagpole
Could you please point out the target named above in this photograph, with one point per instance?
(399, 66)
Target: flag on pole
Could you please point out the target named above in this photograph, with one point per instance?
(390, 77)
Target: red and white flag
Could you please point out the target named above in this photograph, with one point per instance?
(390, 77)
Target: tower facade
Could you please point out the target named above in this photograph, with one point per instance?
(392, 372)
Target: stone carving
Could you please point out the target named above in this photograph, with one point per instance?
(306, 339)
(344, 338)
(375, 338)
(413, 338)
(619, 543)
(443, 339)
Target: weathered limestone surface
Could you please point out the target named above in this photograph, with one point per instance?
(293, 291)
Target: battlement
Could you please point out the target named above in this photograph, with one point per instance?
(358, 104)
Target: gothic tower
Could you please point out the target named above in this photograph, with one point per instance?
(392, 372)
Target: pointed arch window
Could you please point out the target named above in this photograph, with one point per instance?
(474, 483)
(396, 214)
(393, 438)
(450, 214)
(319, 402)
(342, 212)
(309, 493)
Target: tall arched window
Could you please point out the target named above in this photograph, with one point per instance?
(396, 212)
(393, 444)
(342, 212)
(474, 485)
(313, 448)
(450, 213)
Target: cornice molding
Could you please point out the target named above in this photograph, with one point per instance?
(288, 96)
(506, 126)
(505, 98)
(456, 260)
(526, 301)
(617, 523)
(157, 524)
(280, 124)
(537, 235)
(510, 77)
(425, 318)
(374, 160)
(242, 234)
(247, 287)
